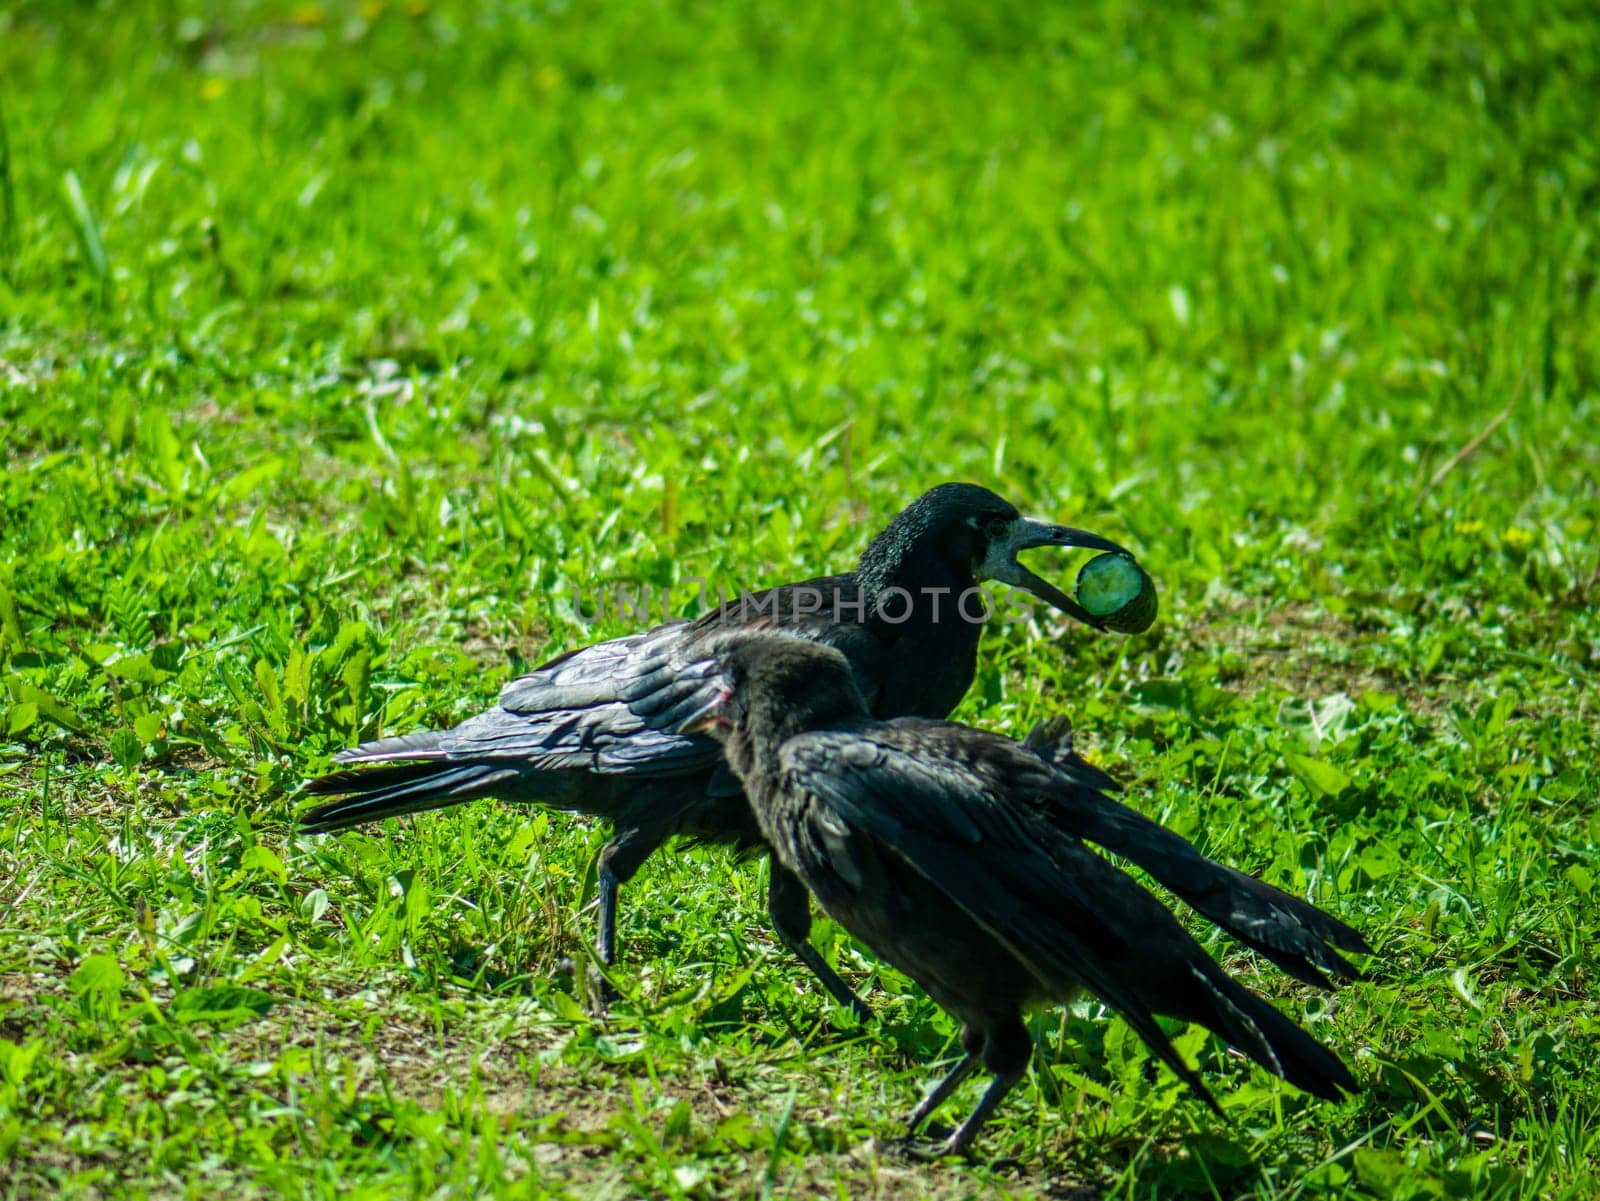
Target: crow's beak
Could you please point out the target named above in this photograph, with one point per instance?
(713, 718)
(1000, 563)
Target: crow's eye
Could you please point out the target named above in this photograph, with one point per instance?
(996, 527)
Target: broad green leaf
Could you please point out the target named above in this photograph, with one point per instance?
(271, 697)
(98, 973)
(264, 859)
(223, 1005)
(56, 710)
(127, 749)
(566, 1008)
(251, 480)
(10, 622)
(21, 717)
(1380, 860)
(297, 676)
(168, 452)
(17, 1059)
(1320, 776)
(137, 669)
(314, 904)
(356, 674)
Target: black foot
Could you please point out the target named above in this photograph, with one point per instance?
(921, 1150)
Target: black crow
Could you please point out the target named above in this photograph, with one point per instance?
(948, 851)
(596, 730)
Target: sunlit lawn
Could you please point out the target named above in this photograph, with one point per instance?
(342, 348)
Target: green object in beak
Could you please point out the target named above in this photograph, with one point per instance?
(1114, 588)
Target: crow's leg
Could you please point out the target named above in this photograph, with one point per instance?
(939, 1093)
(1006, 1048)
(960, 1142)
(789, 905)
(972, 1041)
(619, 860)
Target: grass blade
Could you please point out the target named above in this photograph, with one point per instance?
(8, 202)
(88, 230)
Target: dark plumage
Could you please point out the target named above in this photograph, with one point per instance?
(1295, 935)
(596, 731)
(954, 854)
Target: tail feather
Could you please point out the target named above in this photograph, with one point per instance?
(398, 789)
(423, 745)
(1296, 935)
(1253, 1026)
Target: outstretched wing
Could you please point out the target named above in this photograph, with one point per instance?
(615, 707)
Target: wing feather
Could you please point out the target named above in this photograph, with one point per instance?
(1030, 888)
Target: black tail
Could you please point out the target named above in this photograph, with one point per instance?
(1296, 935)
(1250, 1024)
(411, 775)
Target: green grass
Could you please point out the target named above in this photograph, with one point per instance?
(340, 348)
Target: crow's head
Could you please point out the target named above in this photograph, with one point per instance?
(975, 535)
(770, 686)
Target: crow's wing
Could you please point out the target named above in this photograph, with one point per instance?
(1294, 934)
(1032, 889)
(614, 707)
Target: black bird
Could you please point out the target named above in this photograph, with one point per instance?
(596, 730)
(947, 851)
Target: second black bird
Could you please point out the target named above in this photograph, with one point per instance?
(950, 853)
